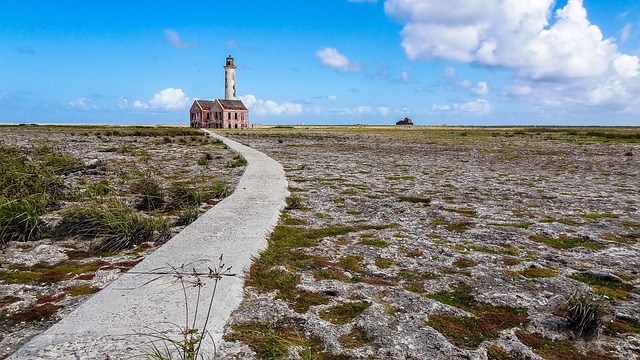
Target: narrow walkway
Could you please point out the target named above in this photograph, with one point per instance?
(104, 327)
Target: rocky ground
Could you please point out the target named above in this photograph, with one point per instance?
(153, 175)
(447, 244)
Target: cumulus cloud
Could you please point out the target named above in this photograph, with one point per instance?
(559, 57)
(173, 38)
(330, 57)
(332, 97)
(169, 99)
(383, 110)
(270, 107)
(506, 33)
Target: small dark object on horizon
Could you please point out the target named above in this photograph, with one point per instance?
(405, 121)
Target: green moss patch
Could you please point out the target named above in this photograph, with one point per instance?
(47, 273)
(344, 313)
(566, 242)
(605, 287)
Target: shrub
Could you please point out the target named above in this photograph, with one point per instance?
(150, 192)
(113, 225)
(181, 196)
(584, 314)
(237, 161)
(188, 214)
(293, 202)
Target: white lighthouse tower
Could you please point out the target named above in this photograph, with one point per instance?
(229, 79)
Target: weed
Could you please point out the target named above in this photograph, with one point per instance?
(275, 340)
(351, 263)
(344, 313)
(150, 192)
(98, 189)
(293, 202)
(379, 243)
(403, 177)
(79, 290)
(237, 161)
(189, 347)
(415, 200)
(584, 314)
(383, 263)
(355, 339)
(537, 272)
(203, 161)
(496, 352)
(188, 214)
(465, 263)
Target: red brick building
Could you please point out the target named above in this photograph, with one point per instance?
(219, 114)
(227, 113)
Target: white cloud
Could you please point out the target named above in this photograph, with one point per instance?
(270, 107)
(140, 105)
(478, 107)
(507, 33)
(81, 103)
(625, 33)
(169, 99)
(173, 38)
(559, 57)
(437, 107)
(383, 110)
(481, 88)
(332, 97)
(330, 57)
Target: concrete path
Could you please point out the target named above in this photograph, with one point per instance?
(105, 326)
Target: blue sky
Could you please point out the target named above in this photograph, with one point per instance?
(456, 62)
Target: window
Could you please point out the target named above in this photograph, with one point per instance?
(208, 116)
(229, 117)
(236, 116)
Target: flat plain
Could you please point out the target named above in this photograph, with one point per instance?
(396, 243)
(448, 243)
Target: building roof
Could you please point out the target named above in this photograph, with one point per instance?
(205, 104)
(225, 104)
(232, 104)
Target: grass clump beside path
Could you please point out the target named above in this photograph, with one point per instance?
(113, 225)
(29, 182)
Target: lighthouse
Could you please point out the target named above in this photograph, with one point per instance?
(227, 113)
(229, 79)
